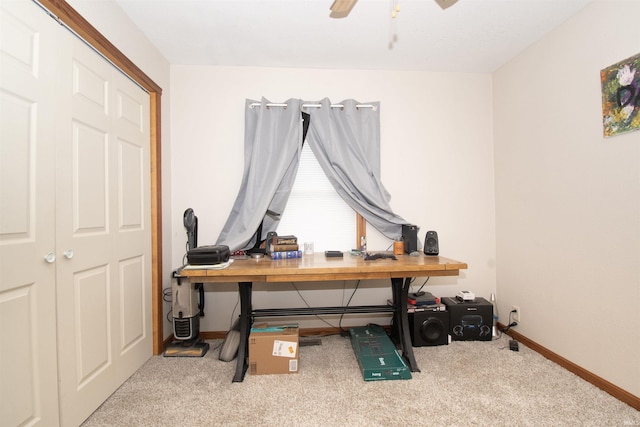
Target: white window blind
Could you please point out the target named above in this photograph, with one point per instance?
(315, 213)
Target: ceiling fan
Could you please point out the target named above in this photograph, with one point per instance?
(341, 8)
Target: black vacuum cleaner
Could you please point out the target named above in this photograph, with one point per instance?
(187, 304)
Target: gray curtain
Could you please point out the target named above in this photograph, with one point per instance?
(346, 143)
(272, 143)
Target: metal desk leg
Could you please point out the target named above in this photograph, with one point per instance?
(401, 321)
(244, 288)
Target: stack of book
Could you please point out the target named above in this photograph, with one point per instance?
(424, 301)
(284, 247)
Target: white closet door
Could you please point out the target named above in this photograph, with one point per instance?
(132, 225)
(28, 369)
(103, 227)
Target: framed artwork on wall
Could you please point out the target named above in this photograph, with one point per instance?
(621, 96)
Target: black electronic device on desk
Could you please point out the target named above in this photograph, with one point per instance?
(431, 246)
(410, 238)
(333, 254)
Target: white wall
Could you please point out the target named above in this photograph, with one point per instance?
(568, 199)
(109, 19)
(437, 163)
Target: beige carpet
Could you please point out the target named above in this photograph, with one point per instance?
(461, 384)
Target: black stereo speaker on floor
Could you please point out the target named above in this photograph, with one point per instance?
(431, 246)
(429, 328)
(469, 320)
(410, 238)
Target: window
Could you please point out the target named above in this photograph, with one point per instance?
(315, 212)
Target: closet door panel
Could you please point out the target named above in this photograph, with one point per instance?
(103, 218)
(28, 372)
(74, 188)
(133, 235)
(19, 395)
(87, 276)
(90, 163)
(91, 323)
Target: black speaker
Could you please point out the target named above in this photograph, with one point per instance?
(429, 328)
(431, 243)
(469, 320)
(410, 238)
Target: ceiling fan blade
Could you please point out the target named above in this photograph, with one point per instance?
(341, 8)
(446, 3)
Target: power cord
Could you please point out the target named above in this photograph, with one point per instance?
(511, 322)
(184, 257)
(167, 296)
(345, 332)
(420, 290)
(339, 327)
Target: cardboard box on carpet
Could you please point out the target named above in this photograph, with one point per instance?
(273, 349)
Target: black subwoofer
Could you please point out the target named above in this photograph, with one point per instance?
(429, 328)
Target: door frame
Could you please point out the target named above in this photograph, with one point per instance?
(72, 19)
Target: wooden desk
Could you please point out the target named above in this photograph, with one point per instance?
(318, 268)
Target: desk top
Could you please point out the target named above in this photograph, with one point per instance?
(317, 267)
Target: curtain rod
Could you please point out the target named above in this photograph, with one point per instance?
(257, 104)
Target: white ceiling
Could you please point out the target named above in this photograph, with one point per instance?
(470, 36)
